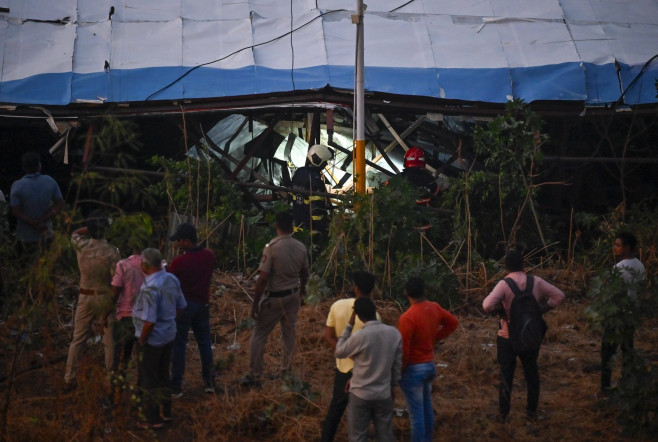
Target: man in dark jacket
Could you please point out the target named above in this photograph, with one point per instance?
(311, 212)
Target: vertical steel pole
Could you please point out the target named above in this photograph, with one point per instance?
(359, 148)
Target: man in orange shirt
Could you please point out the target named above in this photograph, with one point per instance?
(421, 326)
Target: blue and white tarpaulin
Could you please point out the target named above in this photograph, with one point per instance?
(57, 52)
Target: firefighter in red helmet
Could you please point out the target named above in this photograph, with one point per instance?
(421, 178)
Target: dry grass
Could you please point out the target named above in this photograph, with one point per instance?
(465, 391)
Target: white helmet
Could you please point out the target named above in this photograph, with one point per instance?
(319, 154)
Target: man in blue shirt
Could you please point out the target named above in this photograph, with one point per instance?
(34, 200)
(154, 317)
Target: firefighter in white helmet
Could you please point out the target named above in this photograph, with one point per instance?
(311, 212)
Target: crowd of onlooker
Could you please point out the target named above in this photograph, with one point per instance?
(147, 305)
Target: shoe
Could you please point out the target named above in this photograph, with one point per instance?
(498, 418)
(166, 419)
(209, 389)
(146, 426)
(603, 394)
(70, 386)
(249, 381)
(177, 394)
(281, 374)
(534, 416)
(107, 404)
(591, 368)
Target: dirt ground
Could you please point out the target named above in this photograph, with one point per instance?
(464, 392)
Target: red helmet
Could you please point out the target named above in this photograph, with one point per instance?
(415, 157)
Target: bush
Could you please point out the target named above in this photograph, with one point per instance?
(617, 315)
(379, 233)
(494, 206)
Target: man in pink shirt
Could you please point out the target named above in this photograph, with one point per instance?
(502, 293)
(421, 326)
(126, 282)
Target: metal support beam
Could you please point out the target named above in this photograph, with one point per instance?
(386, 158)
(250, 153)
(388, 148)
(219, 153)
(400, 140)
(403, 135)
(290, 190)
(369, 163)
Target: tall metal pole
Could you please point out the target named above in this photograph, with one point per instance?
(359, 148)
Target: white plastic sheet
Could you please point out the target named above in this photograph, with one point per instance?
(472, 50)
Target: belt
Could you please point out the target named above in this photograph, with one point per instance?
(283, 293)
(89, 292)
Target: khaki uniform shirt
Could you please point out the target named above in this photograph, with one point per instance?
(96, 260)
(283, 259)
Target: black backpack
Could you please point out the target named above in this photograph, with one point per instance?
(526, 324)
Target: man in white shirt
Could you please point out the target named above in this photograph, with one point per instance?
(632, 271)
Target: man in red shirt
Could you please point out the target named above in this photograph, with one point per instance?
(194, 270)
(421, 326)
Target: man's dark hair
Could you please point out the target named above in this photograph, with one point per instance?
(185, 231)
(364, 281)
(365, 309)
(97, 224)
(30, 162)
(514, 261)
(284, 221)
(627, 239)
(415, 287)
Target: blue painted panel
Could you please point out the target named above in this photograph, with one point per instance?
(561, 82)
(602, 83)
(90, 86)
(487, 85)
(595, 84)
(644, 88)
(52, 89)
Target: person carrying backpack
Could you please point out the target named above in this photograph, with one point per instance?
(522, 328)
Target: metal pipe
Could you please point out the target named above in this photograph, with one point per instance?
(290, 190)
(359, 150)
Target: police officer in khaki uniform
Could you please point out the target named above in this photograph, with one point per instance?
(280, 287)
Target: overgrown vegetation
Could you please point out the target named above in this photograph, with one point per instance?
(380, 234)
(104, 179)
(225, 216)
(495, 205)
(616, 314)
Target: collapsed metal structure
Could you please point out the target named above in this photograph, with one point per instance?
(254, 83)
